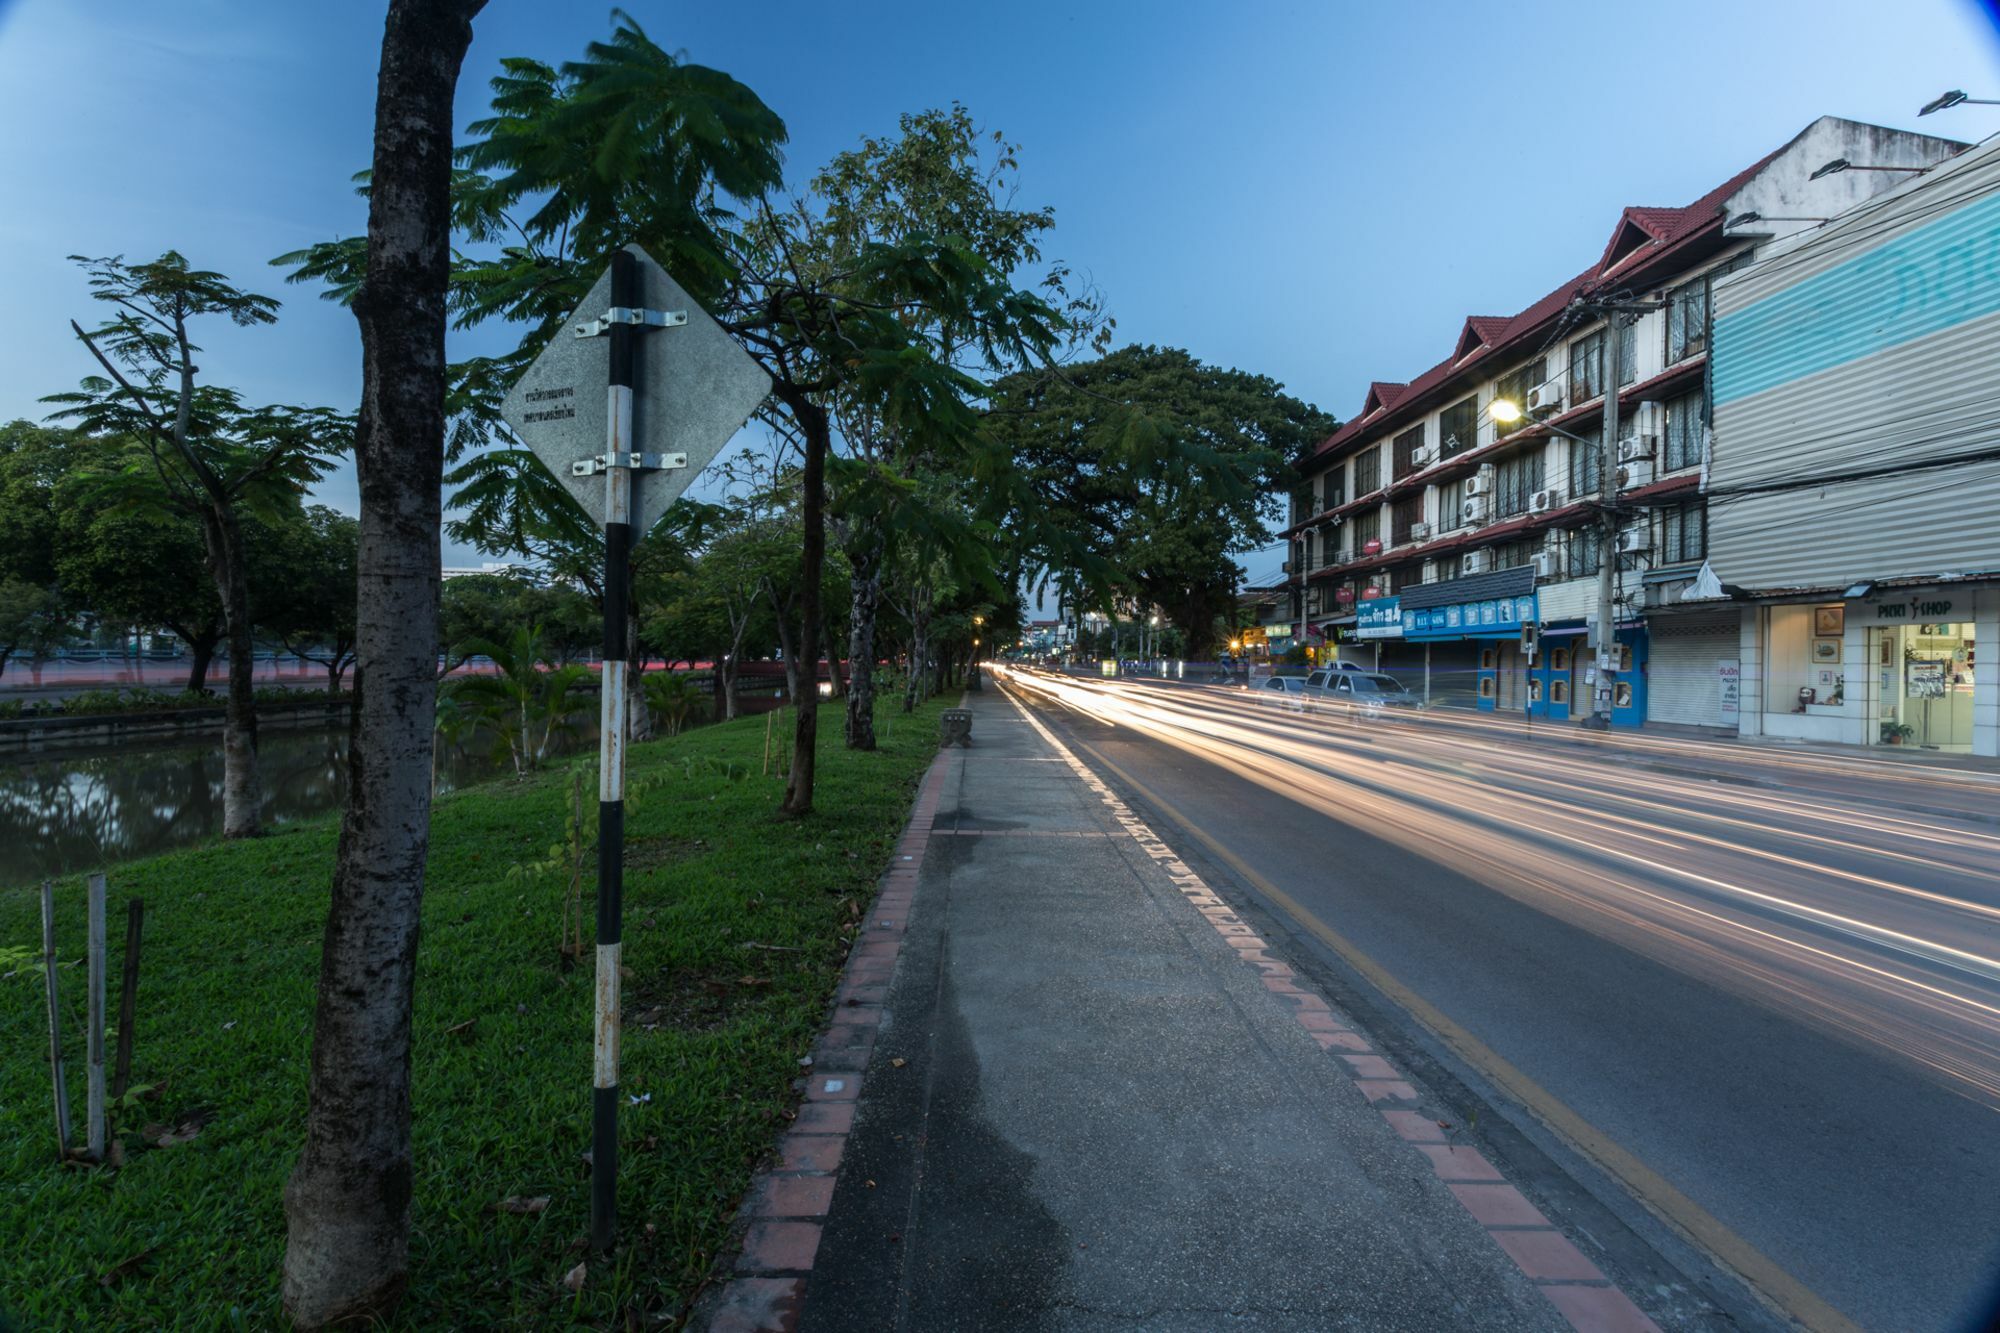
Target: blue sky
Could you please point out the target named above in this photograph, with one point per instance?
(1317, 192)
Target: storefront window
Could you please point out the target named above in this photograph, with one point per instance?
(1803, 663)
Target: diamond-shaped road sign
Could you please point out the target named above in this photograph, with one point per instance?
(695, 388)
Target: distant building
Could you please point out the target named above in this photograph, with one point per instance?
(1854, 492)
(1426, 535)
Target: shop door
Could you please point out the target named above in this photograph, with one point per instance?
(1922, 693)
(1628, 698)
(1557, 685)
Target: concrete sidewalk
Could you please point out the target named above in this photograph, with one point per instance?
(1087, 1097)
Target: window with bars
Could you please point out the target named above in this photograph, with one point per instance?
(1363, 528)
(1367, 472)
(1586, 462)
(1586, 550)
(1403, 576)
(1407, 513)
(1687, 320)
(1458, 427)
(1406, 447)
(1514, 388)
(1682, 447)
(1509, 554)
(1586, 367)
(1515, 480)
(1684, 535)
(1628, 350)
(1447, 569)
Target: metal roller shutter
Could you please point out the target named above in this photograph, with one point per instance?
(1680, 667)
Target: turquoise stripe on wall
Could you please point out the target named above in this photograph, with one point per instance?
(1924, 281)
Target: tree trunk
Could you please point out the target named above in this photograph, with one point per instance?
(866, 588)
(242, 794)
(813, 424)
(638, 712)
(347, 1203)
(920, 647)
(203, 648)
(790, 652)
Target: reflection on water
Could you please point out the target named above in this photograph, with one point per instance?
(67, 811)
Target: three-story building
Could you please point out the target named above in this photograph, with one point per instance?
(1433, 530)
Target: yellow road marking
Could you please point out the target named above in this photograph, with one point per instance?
(1778, 1287)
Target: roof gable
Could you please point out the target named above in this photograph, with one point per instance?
(1381, 394)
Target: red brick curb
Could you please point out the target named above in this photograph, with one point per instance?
(1574, 1285)
(788, 1201)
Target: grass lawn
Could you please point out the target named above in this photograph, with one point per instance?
(714, 1032)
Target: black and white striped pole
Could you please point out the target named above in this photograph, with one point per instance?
(611, 762)
(715, 386)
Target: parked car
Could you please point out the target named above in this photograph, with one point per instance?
(1367, 693)
(1283, 691)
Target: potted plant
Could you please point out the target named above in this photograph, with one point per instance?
(1896, 733)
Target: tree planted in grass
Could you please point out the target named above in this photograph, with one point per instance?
(347, 1203)
(527, 705)
(194, 449)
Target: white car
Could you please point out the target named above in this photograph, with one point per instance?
(1284, 692)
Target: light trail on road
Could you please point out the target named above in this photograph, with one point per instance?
(1857, 894)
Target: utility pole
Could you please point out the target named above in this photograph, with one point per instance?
(1604, 633)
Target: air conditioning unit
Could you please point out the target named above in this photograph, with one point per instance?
(1635, 541)
(1541, 502)
(1635, 474)
(1474, 562)
(1423, 456)
(1544, 563)
(1635, 447)
(1420, 532)
(1480, 482)
(1473, 510)
(1544, 399)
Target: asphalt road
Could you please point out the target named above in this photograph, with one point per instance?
(1751, 993)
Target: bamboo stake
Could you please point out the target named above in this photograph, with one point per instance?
(55, 1016)
(95, 1087)
(128, 998)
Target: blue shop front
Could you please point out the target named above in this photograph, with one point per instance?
(1470, 629)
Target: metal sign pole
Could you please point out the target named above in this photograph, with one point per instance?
(653, 447)
(611, 760)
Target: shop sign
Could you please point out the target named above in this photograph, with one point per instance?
(1278, 631)
(1918, 606)
(1381, 618)
(1729, 684)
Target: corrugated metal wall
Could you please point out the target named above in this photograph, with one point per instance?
(1681, 681)
(1872, 343)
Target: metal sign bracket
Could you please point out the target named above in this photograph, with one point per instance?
(591, 467)
(625, 314)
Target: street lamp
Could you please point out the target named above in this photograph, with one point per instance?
(1954, 98)
(1745, 219)
(1840, 164)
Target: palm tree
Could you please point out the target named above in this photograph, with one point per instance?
(526, 703)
